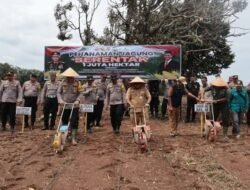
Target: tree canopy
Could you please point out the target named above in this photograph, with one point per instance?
(22, 74)
(202, 27)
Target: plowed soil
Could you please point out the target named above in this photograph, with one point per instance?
(104, 161)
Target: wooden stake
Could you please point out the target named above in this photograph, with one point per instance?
(23, 124)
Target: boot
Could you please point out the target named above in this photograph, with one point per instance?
(74, 134)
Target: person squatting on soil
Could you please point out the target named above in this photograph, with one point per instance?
(90, 97)
(116, 101)
(101, 85)
(175, 96)
(69, 91)
(10, 96)
(219, 93)
(138, 97)
(31, 96)
(49, 101)
(238, 104)
(193, 87)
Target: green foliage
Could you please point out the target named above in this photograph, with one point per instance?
(22, 74)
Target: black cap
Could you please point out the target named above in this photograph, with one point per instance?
(113, 76)
(33, 75)
(10, 73)
(167, 51)
(90, 78)
(56, 53)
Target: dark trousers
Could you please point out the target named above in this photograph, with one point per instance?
(30, 102)
(8, 112)
(74, 120)
(91, 118)
(164, 107)
(98, 112)
(248, 117)
(224, 111)
(116, 114)
(50, 107)
(190, 109)
(154, 104)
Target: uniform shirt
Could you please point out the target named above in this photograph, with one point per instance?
(69, 92)
(116, 94)
(31, 89)
(90, 94)
(10, 91)
(56, 66)
(193, 88)
(49, 90)
(138, 98)
(101, 89)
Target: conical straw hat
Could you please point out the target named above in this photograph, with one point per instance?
(137, 80)
(70, 73)
(168, 75)
(219, 82)
(182, 79)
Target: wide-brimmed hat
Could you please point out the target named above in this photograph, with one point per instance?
(137, 80)
(219, 82)
(70, 73)
(182, 79)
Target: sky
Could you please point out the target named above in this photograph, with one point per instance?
(27, 26)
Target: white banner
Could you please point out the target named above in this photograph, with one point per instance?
(87, 108)
(202, 108)
(23, 110)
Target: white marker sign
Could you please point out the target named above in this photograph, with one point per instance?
(87, 108)
(201, 108)
(23, 110)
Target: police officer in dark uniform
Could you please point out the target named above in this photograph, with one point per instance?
(192, 87)
(56, 64)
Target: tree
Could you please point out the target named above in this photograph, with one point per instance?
(76, 15)
(202, 27)
(22, 74)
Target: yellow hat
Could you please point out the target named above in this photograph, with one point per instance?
(182, 80)
(137, 80)
(219, 82)
(168, 75)
(70, 73)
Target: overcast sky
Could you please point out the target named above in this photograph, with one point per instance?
(29, 25)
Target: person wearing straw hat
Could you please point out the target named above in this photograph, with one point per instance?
(138, 97)
(69, 91)
(90, 97)
(238, 104)
(10, 96)
(49, 101)
(116, 101)
(175, 94)
(219, 91)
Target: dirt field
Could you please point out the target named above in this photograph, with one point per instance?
(111, 162)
